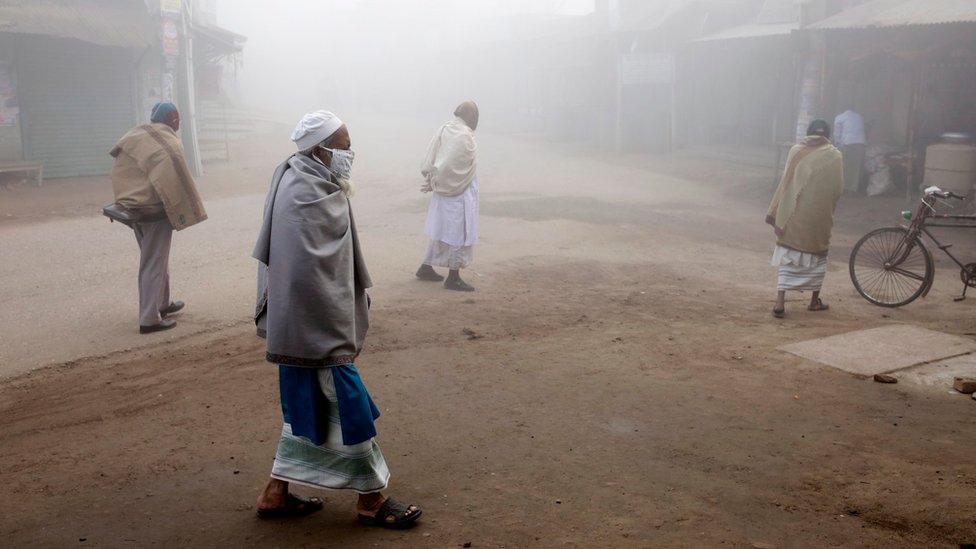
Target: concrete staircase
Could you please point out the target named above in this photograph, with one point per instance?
(220, 124)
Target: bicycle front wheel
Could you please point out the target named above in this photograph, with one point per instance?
(889, 268)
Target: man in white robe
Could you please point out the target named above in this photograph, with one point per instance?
(450, 174)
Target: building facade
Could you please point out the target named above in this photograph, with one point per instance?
(75, 76)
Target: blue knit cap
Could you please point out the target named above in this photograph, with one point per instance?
(162, 112)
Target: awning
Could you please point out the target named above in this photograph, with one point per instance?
(106, 23)
(218, 40)
(752, 30)
(900, 13)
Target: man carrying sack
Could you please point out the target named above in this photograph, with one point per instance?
(155, 194)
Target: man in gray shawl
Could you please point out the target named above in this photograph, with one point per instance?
(314, 312)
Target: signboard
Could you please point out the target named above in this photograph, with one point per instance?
(646, 68)
(171, 38)
(9, 109)
(171, 6)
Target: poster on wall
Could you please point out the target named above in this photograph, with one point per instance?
(151, 91)
(171, 38)
(167, 90)
(809, 93)
(9, 108)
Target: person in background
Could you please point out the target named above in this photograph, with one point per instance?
(152, 181)
(802, 215)
(450, 174)
(851, 138)
(314, 312)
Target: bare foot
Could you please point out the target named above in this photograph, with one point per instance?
(275, 495)
(369, 504)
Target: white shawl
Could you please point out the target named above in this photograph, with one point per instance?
(451, 161)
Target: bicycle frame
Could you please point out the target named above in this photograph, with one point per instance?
(923, 222)
(898, 250)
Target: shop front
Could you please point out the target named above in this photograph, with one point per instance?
(912, 80)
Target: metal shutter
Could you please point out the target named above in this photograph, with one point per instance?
(76, 99)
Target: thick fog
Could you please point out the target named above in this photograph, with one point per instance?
(384, 55)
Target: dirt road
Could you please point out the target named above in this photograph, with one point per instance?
(622, 386)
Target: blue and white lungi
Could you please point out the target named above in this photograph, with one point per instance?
(328, 437)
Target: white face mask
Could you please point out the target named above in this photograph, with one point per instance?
(341, 162)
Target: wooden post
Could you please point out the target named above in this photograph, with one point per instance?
(912, 125)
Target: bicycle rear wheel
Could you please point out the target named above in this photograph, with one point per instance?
(890, 269)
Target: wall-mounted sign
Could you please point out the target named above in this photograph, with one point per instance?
(646, 68)
(171, 6)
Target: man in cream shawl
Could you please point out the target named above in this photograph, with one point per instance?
(152, 181)
(450, 173)
(802, 215)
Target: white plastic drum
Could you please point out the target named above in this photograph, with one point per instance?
(951, 167)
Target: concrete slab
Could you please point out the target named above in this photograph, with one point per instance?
(941, 373)
(882, 350)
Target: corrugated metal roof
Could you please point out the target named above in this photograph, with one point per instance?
(228, 41)
(124, 23)
(900, 13)
(775, 18)
(752, 30)
(657, 15)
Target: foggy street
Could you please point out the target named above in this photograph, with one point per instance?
(488, 273)
(613, 382)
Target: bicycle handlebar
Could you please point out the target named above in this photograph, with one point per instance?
(938, 193)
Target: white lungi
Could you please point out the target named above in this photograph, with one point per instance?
(452, 225)
(799, 270)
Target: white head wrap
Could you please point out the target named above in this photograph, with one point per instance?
(314, 128)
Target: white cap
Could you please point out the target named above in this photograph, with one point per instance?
(314, 128)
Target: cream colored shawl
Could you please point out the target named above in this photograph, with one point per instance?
(451, 161)
(150, 167)
(802, 210)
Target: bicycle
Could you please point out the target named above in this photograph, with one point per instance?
(892, 267)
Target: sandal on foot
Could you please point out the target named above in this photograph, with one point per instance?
(295, 506)
(392, 514)
(428, 274)
(779, 313)
(820, 306)
(458, 285)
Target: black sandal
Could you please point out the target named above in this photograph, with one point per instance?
(392, 514)
(295, 506)
(821, 306)
(428, 274)
(458, 285)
